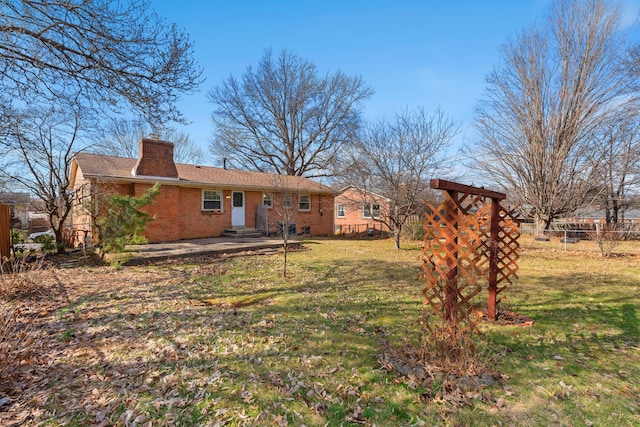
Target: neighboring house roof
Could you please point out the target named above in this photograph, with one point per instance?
(364, 192)
(102, 167)
(600, 213)
(9, 198)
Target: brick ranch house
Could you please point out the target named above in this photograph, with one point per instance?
(356, 212)
(195, 201)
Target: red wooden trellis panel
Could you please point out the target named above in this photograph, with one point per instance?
(469, 238)
(5, 232)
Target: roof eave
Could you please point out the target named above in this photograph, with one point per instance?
(199, 184)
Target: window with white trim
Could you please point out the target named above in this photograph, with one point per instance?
(370, 210)
(304, 202)
(212, 200)
(340, 210)
(267, 200)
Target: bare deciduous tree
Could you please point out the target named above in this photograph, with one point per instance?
(41, 145)
(283, 117)
(107, 52)
(617, 153)
(121, 138)
(556, 87)
(185, 149)
(397, 160)
(65, 66)
(285, 213)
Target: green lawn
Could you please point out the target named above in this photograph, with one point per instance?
(232, 343)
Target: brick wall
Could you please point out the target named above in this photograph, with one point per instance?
(319, 220)
(167, 212)
(196, 223)
(179, 215)
(87, 196)
(155, 159)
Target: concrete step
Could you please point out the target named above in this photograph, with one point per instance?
(241, 233)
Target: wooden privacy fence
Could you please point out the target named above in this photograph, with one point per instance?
(5, 231)
(468, 238)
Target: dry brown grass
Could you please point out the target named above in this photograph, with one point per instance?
(20, 278)
(16, 343)
(23, 277)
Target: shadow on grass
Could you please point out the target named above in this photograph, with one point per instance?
(585, 328)
(284, 336)
(124, 342)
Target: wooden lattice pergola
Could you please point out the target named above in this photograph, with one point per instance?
(469, 238)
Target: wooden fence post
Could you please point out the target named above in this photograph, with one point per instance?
(5, 231)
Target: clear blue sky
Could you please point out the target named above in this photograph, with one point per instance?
(412, 53)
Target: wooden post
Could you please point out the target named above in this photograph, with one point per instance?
(5, 232)
(493, 259)
(451, 249)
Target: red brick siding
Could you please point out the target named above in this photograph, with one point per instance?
(80, 219)
(84, 229)
(252, 199)
(319, 219)
(194, 223)
(178, 212)
(156, 159)
(166, 211)
(353, 221)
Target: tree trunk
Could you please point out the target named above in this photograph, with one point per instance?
(542, 224)
(59, 240)
(285, 245)
(397, 231)
(615, 211)
(609, 206)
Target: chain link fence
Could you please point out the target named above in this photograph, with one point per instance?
(600, 237)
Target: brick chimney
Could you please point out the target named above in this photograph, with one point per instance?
(155, 158)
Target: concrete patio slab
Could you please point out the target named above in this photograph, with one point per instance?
(142, 254)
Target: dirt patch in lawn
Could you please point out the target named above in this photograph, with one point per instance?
(508, 318)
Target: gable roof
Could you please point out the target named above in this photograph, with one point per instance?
(361, 192)
(105, 168)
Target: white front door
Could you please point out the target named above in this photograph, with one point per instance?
(237, 209)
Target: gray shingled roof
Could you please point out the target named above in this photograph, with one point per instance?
(9, 198)
(119, 168)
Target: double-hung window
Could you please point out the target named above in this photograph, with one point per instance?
(370, 210)
(267, 200)
(304, 202)
(340, 210)
(212, 200)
